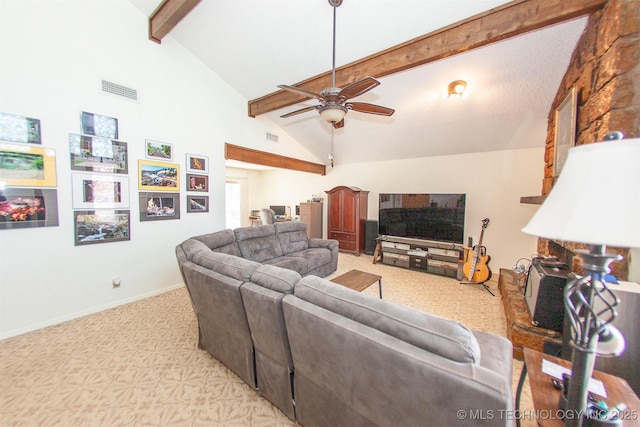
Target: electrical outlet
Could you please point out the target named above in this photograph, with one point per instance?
(115, 282)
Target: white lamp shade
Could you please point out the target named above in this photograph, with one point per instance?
(333, 114)
(596, 199)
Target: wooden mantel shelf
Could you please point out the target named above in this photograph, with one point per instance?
(532, 200)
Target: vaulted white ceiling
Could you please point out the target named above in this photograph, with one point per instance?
(255, 45)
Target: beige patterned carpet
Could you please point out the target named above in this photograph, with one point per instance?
(138, 364)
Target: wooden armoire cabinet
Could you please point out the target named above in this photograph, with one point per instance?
(346, 217)
(311, 214)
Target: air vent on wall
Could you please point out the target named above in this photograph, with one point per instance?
(272, 137)
(119, 90)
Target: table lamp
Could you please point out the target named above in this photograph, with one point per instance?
(596, 200)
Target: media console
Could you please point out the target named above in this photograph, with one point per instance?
(431, 256)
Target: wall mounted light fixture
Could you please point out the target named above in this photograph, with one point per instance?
(456, 87)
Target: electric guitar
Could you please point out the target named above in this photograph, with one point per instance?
(475, 267)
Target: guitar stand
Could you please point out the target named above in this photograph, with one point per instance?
(484, 285)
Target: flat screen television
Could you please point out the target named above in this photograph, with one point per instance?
(422, 216)
(279, 210)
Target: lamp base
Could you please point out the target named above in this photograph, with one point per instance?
(595, 416)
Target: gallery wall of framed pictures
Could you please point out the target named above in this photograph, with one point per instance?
(100, 188)
(99, 164)
(197, 179)
(27, 173)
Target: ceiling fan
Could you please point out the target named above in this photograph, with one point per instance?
(333, 101)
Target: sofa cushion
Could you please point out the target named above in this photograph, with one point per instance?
(292, 236)
(315, 257)
(221, 241)
(295, 263)
(258, 244)
(444, 337)
(274, 278)
(225, 264)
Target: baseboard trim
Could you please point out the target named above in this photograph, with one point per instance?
(98, 309)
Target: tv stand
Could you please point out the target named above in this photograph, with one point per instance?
(430, 256)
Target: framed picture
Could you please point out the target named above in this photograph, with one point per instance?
(99, 191)
(158, 150)
(28, 207)
(101, 226)
(158, 176)
(198, 164)
(96, 154)
(19, 129)
(197, 204)
(27, 165)
(159, 206)
(197, 182)
(565, 132)
(97, 125)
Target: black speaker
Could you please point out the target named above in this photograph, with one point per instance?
(370, 236)
(544, 293)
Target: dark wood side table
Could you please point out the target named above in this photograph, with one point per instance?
(546, 397)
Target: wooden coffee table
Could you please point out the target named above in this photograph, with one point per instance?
(359, 280)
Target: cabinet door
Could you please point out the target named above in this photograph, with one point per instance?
(335, 211)
(349, 211)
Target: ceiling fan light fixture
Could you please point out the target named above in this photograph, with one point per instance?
(457, 87)
(332, 100)
(333, 113)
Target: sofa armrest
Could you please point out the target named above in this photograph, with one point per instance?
(227, 265)
(496, 353)
(315, 242)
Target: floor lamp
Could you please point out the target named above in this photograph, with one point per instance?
(596, 201)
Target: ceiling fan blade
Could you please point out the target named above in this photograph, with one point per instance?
(363, 107)
(302, 110)
(299, 91)
(358, 88)
(338, 125)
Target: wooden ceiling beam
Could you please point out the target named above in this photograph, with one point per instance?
(509, 20)
(166, 17)
(248, 155)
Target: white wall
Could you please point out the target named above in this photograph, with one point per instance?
(493, 183)
(54, 56)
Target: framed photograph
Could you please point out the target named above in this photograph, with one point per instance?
(96, 154)
(158, 176)
(197, 204)
(197, 182)
(101, 226)
(158, 150)
(99, 191)
(197, 163)
(159, 206)
(28, 207)
(19, 129)
(565, 132)
(97, 125)
(27, 165)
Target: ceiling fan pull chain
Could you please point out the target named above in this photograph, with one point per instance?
(331, 158)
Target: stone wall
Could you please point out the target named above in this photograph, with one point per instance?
(605, 70)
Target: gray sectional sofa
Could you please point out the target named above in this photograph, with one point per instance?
(327, 355)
